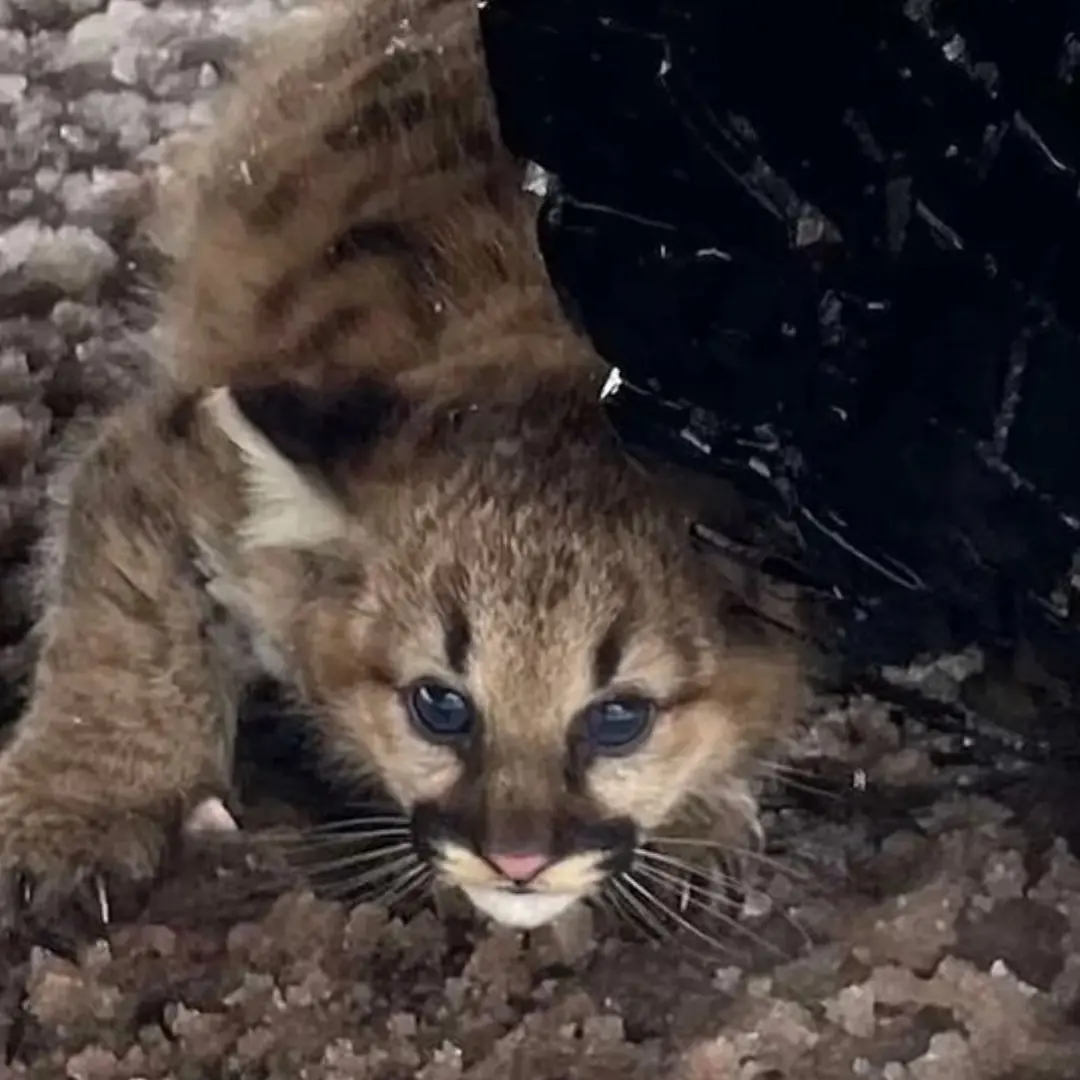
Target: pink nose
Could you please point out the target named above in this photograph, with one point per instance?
(519, 865)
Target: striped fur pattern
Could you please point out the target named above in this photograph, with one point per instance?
(355, 204)
(376, 463)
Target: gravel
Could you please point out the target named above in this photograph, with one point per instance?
(911, 921)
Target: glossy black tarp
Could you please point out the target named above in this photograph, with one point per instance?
(833, 247)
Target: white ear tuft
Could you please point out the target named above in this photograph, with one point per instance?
(287, 509)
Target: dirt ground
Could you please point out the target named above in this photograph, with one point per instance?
(916, 915)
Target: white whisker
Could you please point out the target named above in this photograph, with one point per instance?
(643, 917)
(698, 932)
(650, 855)
(376, 877)
(692, 896)
(686, 887)
(729, 849)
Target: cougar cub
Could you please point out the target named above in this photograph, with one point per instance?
(377, 467)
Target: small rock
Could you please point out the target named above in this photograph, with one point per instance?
(75, 320)
(315, 986)
(93, 1063)
(402, 1025)
(447, 1063)
(99, 199)
(14, 50)
(125, 115)
(58, 994)
(48, 179)
(15, 378)
(71, 259)
(853, 1010)
(12, 88)
(126, 63)
(96, 38)
(1004, 876)
(948, 1057)
(603, 1029)
(363, 930)
(254, 1045)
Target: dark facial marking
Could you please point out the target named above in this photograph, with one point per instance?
(616, 837)
(609, 653)
(177, 422)
(321, 429)
(336, 325)
(449, 584)
(457, 639)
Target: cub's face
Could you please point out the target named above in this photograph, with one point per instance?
(540, 686)
(526, 656)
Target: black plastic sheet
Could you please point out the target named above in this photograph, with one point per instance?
(833, 249)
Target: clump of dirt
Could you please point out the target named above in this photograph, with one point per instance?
(941, 940)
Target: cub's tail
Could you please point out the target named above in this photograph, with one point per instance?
(351, 202)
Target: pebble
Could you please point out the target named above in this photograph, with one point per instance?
(73, 259)
(93, 1063)
(100, 198)
(96, 38)
(12, 88)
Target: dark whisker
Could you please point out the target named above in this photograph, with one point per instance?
(414, 879)
(307, 841)
(357, 824)
(356, 858)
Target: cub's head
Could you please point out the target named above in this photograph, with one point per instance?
(500, 616)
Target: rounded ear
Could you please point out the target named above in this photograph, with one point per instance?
(296, 444)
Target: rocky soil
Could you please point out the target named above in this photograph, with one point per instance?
(917, 914)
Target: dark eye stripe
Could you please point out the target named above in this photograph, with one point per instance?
(609, 654)
(457, 638)
(449, 585)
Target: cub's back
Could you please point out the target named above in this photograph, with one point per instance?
(353, 208)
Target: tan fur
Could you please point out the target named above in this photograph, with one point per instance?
(311, 250)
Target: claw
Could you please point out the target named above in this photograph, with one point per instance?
(210, 816)
(103, 901)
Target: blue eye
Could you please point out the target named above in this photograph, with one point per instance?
(618, 725)
(439, 712)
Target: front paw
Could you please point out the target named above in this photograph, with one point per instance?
(68, 869)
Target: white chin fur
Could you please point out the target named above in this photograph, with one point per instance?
(522, 911)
